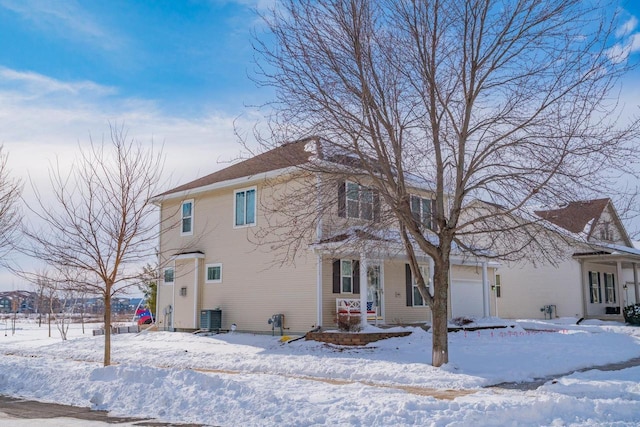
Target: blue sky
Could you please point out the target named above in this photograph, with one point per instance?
(172, 71)
(183, 55)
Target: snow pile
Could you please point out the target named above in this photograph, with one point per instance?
(244, 379)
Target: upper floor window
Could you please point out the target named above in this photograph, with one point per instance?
(186, 210)
(245, 207)
(168, 276)
(357, 201)
(423, 211)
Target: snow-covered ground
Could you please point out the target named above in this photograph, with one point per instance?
(257, 380)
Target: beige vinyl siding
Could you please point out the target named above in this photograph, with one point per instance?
(395, 293)
(254, 284)
(526, 289)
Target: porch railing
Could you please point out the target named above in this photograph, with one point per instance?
(351, 306)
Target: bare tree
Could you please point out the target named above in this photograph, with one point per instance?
(512, 102)
(101, 225)
(10, 190)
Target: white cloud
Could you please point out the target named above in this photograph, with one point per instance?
(66, 19)
(627, 27)
(44, 120)
(620, 51)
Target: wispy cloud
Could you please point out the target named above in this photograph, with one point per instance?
(42, 118)
(65, 19)
(39, 85)
(620, 52)
(629, 41)
(627, 27)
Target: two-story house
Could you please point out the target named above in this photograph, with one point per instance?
(594, 276)
(219, 250)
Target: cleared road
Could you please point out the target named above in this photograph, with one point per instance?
(16, 412)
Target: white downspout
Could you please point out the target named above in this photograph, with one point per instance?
(486, 294)
(319, 290)
(635, 282)
(319, 255)
(195, 294)
(363, 289)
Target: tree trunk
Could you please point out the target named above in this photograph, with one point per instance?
(439, 317)
(107, 327)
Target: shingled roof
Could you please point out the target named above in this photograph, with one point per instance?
(287, 155)
(575, 216)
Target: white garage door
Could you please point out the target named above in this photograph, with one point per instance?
(466, 298)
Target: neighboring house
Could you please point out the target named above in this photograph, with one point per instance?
(17, 302)
(596, 277)
(213, 257)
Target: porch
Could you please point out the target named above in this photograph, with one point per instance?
(609, 281)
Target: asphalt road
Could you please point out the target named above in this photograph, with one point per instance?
(16, 412)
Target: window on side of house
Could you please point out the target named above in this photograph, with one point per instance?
(346, 276)
(214, 273)
(244, 207)
(609, 288)
(168, 276)
(422, 210)
(186, 212)
(418, 301)
(595, 293)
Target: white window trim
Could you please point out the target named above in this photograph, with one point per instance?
(421, 214)
(361, 190)
(163, 275)
(193, 211)
(414, 286)
(206, 272)
(255, 212)
(342, 291)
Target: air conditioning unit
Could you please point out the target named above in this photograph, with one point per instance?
(211, 320)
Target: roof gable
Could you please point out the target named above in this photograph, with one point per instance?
(576, 216)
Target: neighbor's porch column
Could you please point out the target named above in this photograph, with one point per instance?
(363, 289)
(620, 290)
(635, 282)
(486, 294)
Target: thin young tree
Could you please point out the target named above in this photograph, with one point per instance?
(513, 102)
(97, 223)
(10, 191)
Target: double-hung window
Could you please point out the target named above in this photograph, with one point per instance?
(186, 210)
(422, 210)
(168, 276)
(418, 301)
(609, 288)
(595, 293)
(245, 207)
(357, 201)
(214, 273)
(346, 276)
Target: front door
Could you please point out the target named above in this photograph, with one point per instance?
(375, 292)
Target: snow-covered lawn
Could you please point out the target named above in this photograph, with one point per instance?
(255, 380)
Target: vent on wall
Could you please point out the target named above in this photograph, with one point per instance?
(183, 292)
